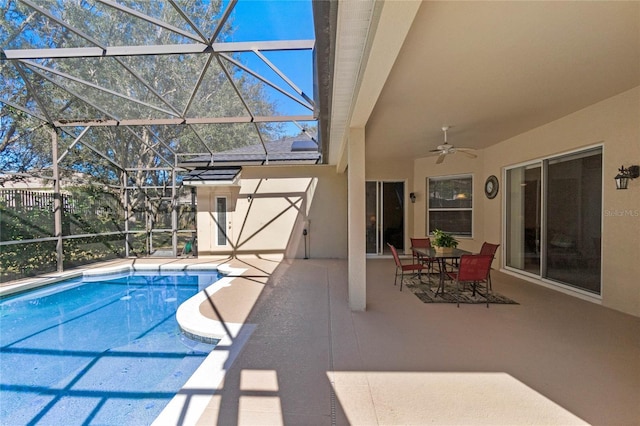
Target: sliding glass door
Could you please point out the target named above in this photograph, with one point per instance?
(384, 216)
(524, 218)
(553, 219)
(573, 219)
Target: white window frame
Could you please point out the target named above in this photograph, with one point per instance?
(429, 209)
(538, 278)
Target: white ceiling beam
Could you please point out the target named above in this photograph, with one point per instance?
(367, 64)
(352, 31)
(393, 26)
(166, 49)
(177, 121)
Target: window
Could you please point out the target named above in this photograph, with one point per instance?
(221, 210)
(450, 204)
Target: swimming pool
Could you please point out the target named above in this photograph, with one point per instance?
(97, 350)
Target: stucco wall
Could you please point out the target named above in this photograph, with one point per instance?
(284, 201)
(614, 123)
(456, 164)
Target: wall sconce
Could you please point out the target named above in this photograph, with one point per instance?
(623, 176)
(412, 197)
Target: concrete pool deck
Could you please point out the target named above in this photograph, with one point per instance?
(295, 354)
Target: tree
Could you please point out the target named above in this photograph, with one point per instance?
(107, 88)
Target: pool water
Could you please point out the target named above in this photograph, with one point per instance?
(104, 350)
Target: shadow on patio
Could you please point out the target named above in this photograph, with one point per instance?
(303, 358)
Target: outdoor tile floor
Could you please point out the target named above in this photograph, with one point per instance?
(302, 357)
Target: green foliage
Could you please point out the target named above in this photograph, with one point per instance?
(168, 88)
(148, 86)
(443, 239)
(87, 209)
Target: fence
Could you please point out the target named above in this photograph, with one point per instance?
(94, 228)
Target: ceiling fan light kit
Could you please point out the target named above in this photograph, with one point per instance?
(446, 148)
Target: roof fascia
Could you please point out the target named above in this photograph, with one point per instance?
(389, 25)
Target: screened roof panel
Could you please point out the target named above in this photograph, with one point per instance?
(255, 71)
(216, 96)
(202, 17)
(112, 104)
(24, 27)
(152, 79)
(179, 72)
(276, 20)
(224, 137)
(112, 23)
(54, 101)
(296, 66)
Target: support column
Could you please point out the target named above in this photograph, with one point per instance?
(174, 209)
(126, 204)
(57, 201)
(356, 222)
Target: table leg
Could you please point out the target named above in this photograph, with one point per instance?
(441, 267)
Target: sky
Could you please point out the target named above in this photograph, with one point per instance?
(263, 20)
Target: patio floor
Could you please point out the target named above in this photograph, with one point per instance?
(300, 356)
(303, 357)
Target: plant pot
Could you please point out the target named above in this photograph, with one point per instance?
(443, 249)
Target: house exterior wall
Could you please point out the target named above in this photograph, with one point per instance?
(395, 171)
(457, 164)
(284, 201)
(615, 124)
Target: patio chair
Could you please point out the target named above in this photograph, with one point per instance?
(488, 248)
(474, 269)
(420, 258)
(403, 268)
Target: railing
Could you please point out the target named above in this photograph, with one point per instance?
(93, 228)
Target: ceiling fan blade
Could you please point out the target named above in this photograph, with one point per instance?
(467, 153)
(440, 158)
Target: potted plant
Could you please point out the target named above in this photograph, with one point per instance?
(443, 242)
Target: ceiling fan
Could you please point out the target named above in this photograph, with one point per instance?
(445, 149)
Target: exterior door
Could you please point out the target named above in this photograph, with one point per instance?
(385, 214)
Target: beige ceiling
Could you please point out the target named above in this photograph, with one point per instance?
(493, 70)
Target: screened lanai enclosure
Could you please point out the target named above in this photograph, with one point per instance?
(108, 106)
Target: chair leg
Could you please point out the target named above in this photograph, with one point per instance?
(486, 290)
(395, 279)
(401, 280)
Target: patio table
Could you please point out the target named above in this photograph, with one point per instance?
(441, 258)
